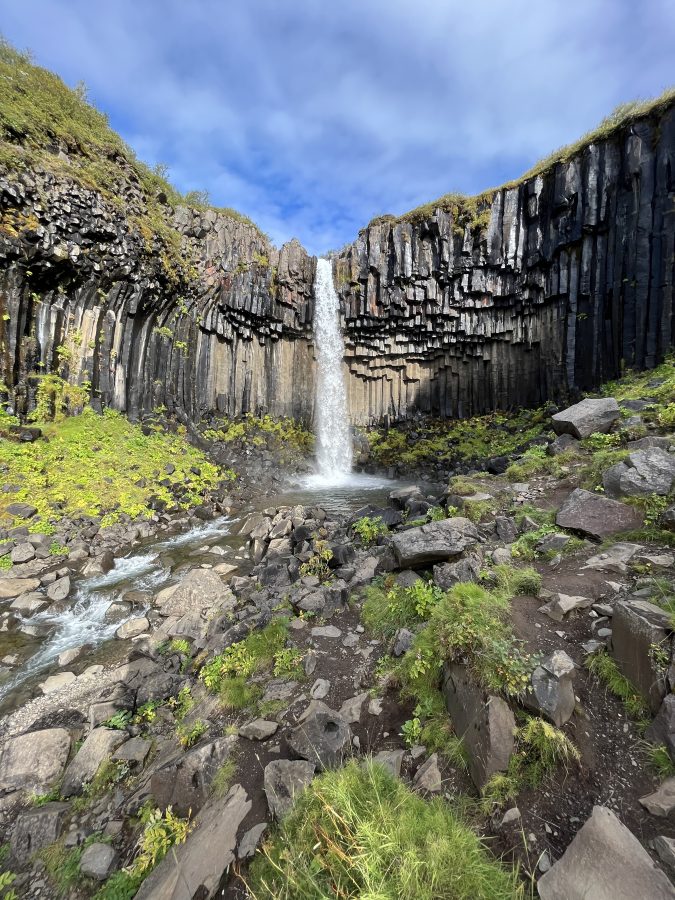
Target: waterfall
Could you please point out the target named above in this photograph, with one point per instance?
(334, 444)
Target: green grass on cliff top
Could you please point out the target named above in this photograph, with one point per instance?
(475, 210)
(40, 116)
(100, 466)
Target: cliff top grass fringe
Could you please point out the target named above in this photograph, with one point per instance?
(360, 832)
(474, 211)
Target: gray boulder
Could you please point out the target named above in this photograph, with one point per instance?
(662, 729)
(662, 802)
(249, 842)
(637, 628)
(587, 417)
(15, 587)
(60, 589)
(321, 736)
(433, 542)
(551, 691)
(22, 553)
(34, 761)
(597, 516)
(258, 730)
(403, 641)
(428, 777)
(200, 589)
(447, 575)
(563, 443)
(283, 780)
(562, 605)
(98, 861)
(604, 862)
(100, 565)
(644, 472)
(392, 760)
(185, 783)
(98, 747)
(196, 868)
(36, 829)
(485, 724)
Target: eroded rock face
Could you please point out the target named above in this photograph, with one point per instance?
(485, 724)
(532, 296)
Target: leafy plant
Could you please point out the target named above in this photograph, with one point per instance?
(369, 529)
(317, 564)
(119, 720)
(161, 831)
(411, 731)
(287, 662)
(188, 735)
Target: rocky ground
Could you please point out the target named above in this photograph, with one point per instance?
(235, 690)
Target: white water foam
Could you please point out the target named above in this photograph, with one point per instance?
(334, 443)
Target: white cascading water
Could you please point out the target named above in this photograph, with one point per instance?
(333, 436)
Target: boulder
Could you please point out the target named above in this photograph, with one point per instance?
(403, 641)
(59, 589)
(56, 682)
(15, 587)
(22, 553)
(34, 761)
(98, 861)
(132, 628)
(392, 760)
(258, 730)
(196, 868)
(22, 510)
(614, 559)
(199, 589)
(485, 724)
(97, 748)
(563, 443)
(551, 692)
(563, 604)
(250, 841)
(662, 729)
(321, 736)
(604, 862)
(134, 751)
(29, 604)
(350, 710)
(100, 565)
(644, 472)
(447, 575)
(664, 847)
(428, 777)
(283, 780)
(637, 627)
(597, 516)
(433, 542)
(587, 417)
(185, 782)
(36, 829)
(662, 802)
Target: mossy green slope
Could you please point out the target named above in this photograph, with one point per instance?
(102, 466)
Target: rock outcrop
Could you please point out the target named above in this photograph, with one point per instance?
(527, 293)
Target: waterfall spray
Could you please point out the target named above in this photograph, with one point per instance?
(334, 444)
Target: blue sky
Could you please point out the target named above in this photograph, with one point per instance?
(313, 116)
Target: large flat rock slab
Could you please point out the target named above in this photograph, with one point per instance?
(597, 516)
(434, 542)
(200, 589)
(587, 418)
(605, 861)
(195, 868)
(34, 761)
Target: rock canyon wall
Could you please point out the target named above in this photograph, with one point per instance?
(531, 292)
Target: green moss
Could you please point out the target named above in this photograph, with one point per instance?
(359, 832)
(103, 466)
(267, 430)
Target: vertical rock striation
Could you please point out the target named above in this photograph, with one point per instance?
(538, 290)
(531, 292)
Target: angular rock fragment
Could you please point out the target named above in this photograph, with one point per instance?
(434, 542)
(606, 862)
(283, 780)
(587, 417)
(597, 516)
(321, 736)
(639, 629)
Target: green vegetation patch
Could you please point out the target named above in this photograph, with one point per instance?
(103, 466)
(260, 431)
(606, 670)
(464, 440)
(359, 832)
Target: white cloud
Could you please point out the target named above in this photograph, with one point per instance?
(312, 117)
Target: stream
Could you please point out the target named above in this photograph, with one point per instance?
(150, 567)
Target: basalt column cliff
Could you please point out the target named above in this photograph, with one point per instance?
(530, 292)
(527, 294)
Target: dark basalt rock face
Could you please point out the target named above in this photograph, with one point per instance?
(551, 287)
(220, 323)
(571, 279)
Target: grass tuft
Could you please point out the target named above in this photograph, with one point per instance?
(358, 832)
